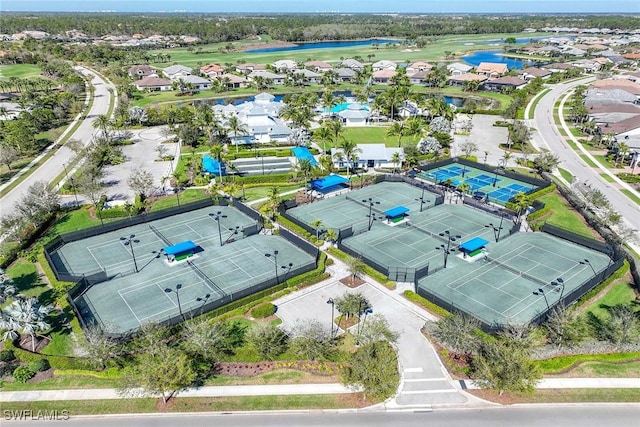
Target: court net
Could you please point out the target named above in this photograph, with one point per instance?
(365, 204)
(422, 230)
(516, 271)
(206, 279)
(160, 235)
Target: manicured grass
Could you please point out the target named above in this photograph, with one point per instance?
(538, 97)
(568, 176)
(630, 195)
(606, 177)
(608, 370)
(588, 161)
(64, 382)
(603, 160)
(26, 279)
(22, 71)
(374, 135)
(76, 220)
(194, 404)
(620, 293)
(562, 215)
(574, 395)
(557, 364)
(256, 193)
(186, 196)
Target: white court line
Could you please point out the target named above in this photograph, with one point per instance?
(191, 228)
(95, 259)
(129, 307)
(166, 294)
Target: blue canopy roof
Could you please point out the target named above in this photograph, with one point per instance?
(473, 244)
(397, 211)
(211, 165)
(180, 248)
(328, 181)
(304, 153)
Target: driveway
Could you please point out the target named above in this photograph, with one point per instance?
(424, 380)
(487, 137)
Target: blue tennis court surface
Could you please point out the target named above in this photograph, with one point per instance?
(505, 194)
(444, 174)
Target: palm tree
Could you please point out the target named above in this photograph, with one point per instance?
(348, 151)
(7, 288)
(335, 127)
(395, 159)
(25, 316)
(236, 127)
(305, 168)
(324, 134)
(103, 123)
(317, 224)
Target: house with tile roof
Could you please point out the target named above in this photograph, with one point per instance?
(492, 69)
(174, 72)
(138, 72)
(504, 83)
(154, 84)
(212, 70)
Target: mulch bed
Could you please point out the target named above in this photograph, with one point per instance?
(247, 369)
(352, 282)
(25, 343)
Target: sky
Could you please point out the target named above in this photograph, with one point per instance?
(310, 6)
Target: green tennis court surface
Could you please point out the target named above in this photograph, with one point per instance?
(216, 273)
(502, 291)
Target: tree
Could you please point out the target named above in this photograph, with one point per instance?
(355, 266)
(456, 332)
(563, 329)
(103, 123)
(350, 305)
(268, 340)
(141, 183)
(317, 225)
(159, 370)
(312, 341)
(99, 346)
(504, 365)
(7, 288)
(546, 161)
(440, 124)
(396, 129)
(331, 235)
(376, 328)
(347, 151)
(468, 148)
(205, 341)
(396, 160)
(622, 325)
(374, 369)
(8, 155)
(26, 316)
(519, 134)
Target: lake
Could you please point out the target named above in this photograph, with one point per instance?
(496, 56)
(324, 45)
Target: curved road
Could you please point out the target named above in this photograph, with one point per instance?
(547, 136)
(54, 165)
(522, 416)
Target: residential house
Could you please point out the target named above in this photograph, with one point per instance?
(138, 72)
(419, 77)
(557, 67)
(418, 67)
(504, 83)
(285, 65)
(154, 84)
(492, 69)
(369, 156)
(352, 64)
(199, 83)
(355, 115)
(212, 70)
(384, 65)
(531, 73)
(318, 66)
(174, 72)
(382, 76)
(462, 79)
(344, 74)
(231, 81)
(249, 68)
(275, 79)
(308, 75)
(587, 65)
(458, 68)
(622, 83)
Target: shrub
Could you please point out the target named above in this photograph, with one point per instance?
(263, 310)
(7, 356)
(39, 365)
(22, 374)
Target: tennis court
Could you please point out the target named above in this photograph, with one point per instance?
(352, 209)
(160, 291)
(521, 277)
(498, 188)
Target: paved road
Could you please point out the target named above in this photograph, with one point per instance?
(521, 416)
(547, 136)
(54, 166)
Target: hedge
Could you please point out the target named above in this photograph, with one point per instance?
(538, 214)
(57, 362)
(263, 310)
(426, 304)
(546, 190)
(368, 270)
(276, 177)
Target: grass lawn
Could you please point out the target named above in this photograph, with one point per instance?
(608, 370)
(76, 220)
(563, 364)
(620, 293)
(588, 161)
(374, 135)
(568, 176)
(562, 215)
(630, 195)
(556, 396)
(186, 196)
(195, 404)
(606, 177)
(22, 71)
(603, 160)
(255, 193)
(535, 103)
(63, 382)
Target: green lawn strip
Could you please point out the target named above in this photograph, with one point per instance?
(426, 304)
(558, 364)
(607, 177)
(374, 135)
(576, 395)
(630, 195)
(562, 215)
(603, 160)
(608, 370)
(192, 404)
(255, 193)
(576, 132)
(588, 161)
(64, 382)
(568, 176)
(620, 293)
(186, 196)
(540, 95)
(22, 71)
(76, 220)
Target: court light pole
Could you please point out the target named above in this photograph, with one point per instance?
(587, 262)
(540, 291)
(275, 262)
(333, 308)
(446, 248)
(204, 301)
(216, 217)
(288, 268)
(371, 217)
(421, 199)
(177, 292)
(129, 241)
(496, 230)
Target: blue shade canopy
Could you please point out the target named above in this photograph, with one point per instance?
(473, 244)
(328, 182)
(395, 212)
(211, 165)
(303, 153)
(180, 248)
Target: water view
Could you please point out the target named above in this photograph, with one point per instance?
(496, 56)
(325, 45)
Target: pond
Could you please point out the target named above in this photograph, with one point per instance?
(496, 56)
(325, 45)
